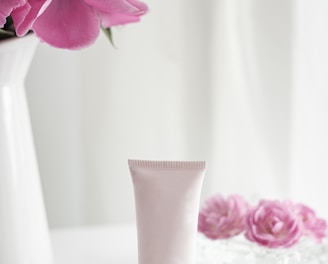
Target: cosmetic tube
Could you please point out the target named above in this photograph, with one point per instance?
(167, 196)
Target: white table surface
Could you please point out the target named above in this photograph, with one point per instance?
(95, 245)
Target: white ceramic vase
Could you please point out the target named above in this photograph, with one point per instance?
(24, 234)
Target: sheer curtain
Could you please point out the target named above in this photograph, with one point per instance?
(238, 83)
(251, 86)
(309, 141)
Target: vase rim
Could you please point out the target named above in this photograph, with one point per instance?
(14, 42)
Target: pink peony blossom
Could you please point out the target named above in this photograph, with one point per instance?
(312, 225)
(6, 7)
(273, 224)
(75, 24)
(70, 24)
(26, 14)
(220, 218)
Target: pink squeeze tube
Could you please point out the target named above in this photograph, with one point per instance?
(167, 196)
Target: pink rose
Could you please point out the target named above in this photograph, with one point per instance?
(273, 224)
(312, 225)
(220, 218)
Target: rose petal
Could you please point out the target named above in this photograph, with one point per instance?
(109, 20)
(119, 6)
(277, 227)
(6, 7)
(24, 16)
(118, 12)
(77, 27)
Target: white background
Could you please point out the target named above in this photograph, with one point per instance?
(241, 84)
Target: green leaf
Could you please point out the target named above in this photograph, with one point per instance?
(4, 34)
(109, 35)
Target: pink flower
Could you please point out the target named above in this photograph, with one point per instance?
(72, 24)
(219, 218)
(26, 14)
(6, 7)
(273, 224)
(312, 225)
(75, 24)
